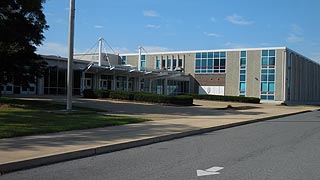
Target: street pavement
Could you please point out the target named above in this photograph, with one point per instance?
(168, 122)
(281, 149)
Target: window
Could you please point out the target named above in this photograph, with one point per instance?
(243, 67)
(169, 63)
(174, 63)
(180, 63)
(209, 62)
(268, 62)
(158, 64)
(143, 61)
(124, 60)
(163, 63)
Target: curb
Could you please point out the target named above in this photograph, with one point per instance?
(56, 158)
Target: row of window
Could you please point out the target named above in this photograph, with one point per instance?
(210, 62)
(168, 63)
(268, 62)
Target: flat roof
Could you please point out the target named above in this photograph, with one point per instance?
(196, 51)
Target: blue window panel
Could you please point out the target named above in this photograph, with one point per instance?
(264, 86)
(216, 54)
(143, 57)
(270, 77)
(174, 62)
(222, 54)
(198, 62)
(264, 77)
(243, 61)
(272, 60)
(204, 55)
(242, 71)
(204, 63)
(243, 54)
(197, 70)
(143, 64)
(123, 59)
(180, 63)
(222, 62)
(242, 77)
(169, 63)
(263, 97)
(264, 71)
(203, 70)
(271, 86)
(210, 54)
(158, 64)
(272, 53)
(198, 55)
(209, 70)
(242, 95)
(242, 86)
(265, 52)
(163, 63)
(264, 61)
(270, 97)
(210, 63)
(271, 71)
(216, 62)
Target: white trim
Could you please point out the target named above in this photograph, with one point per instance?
(196, 51)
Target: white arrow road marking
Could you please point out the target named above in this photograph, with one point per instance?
(209, 171)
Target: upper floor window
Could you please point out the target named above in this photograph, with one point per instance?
(143, 61)
(124, 60)
(210, 62)
(268, 58)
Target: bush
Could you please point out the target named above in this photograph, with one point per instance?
(89, 93)
(226, 98)
(102, 93)
(154, 98)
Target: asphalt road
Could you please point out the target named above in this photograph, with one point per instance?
(279, 149)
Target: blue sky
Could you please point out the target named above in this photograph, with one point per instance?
(167, 25)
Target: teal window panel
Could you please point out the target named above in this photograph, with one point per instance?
(270, 77)
(143, 64)
(272, 61)
(264, 61)
(263, 97)
(243, 61)
(222, 62)
(222, 54)
(271, 86)
(216, 55)
(198, 55)
(270, 97)
(243, 54)
(242, 71)
(204, 55)
(210, 54)
(143, 57)
(204, 63)
(264, 86)
(265, 53)
(264, 77)
(242, 86)
(169, 63)
(272, 53)
(242, 77)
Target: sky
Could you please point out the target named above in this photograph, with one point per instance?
(181, 25)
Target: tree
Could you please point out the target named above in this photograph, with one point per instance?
(22, 24)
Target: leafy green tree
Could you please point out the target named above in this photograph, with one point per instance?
(22, 24)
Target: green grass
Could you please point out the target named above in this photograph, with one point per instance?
(22, 118)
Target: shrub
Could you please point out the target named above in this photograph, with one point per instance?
(89, 93)
(226, 98)
(102, 93)
(154, 98)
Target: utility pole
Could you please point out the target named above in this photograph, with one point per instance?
(70, 58)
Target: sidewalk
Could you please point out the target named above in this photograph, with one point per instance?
(169, 122)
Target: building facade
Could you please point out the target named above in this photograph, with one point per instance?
(276, 74)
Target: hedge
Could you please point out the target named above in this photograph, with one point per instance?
(184, 100)
(226, 98)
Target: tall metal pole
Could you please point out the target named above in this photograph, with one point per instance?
(139, 60)
(70, 58)
(100, 51)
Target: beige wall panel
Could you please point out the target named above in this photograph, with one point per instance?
(253, 73)
(232, 73)
(279, 76)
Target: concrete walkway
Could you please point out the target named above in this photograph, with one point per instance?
(169, 122)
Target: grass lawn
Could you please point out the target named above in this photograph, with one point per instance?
(22, 118)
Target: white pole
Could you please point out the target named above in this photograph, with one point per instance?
(70, 58)
(100, 50)
(139, 60)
